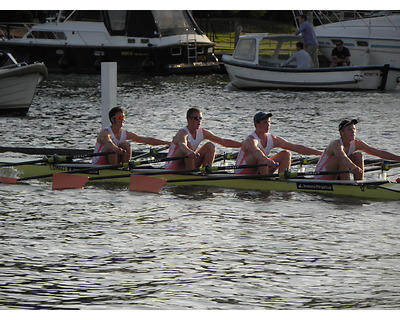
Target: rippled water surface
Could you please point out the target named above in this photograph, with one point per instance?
(196, 248)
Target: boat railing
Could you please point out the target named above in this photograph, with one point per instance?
(324, 17)
(14, 30)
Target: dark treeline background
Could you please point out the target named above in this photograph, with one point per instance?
(270, 15)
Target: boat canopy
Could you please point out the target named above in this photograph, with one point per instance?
(139, 23)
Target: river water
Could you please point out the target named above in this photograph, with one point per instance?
(196, 248)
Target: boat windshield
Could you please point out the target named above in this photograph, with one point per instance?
(170, 22)
(80, 15)
(245, 50)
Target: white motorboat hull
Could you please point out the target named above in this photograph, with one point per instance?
(72, 46)
(18, 85)
(371, 41)
(248, 76)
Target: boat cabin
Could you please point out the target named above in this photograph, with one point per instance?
(263, 49)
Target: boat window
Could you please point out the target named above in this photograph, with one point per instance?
(46, 35)
(83, 15)
(141, 24)
(116, 21)
(362, 43)
(245, 50)
(170, 22)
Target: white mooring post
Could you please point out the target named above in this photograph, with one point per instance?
(108, 90)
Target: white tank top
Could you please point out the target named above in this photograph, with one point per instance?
(194, 142)
(323, 161)
(98, 147)
(241, 158)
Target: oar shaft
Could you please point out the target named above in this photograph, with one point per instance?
(56, 159)
(139, 163)
(153, 152)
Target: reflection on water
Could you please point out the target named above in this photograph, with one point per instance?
(196, 248)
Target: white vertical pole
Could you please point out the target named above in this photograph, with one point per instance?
(108, 90)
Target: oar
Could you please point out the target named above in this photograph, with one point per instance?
(303, 161)
(153, 152)
(46, 151)
(56, 159)
(92, 168)
(226, 156)
(372, 162)
(143, 183)
(63, 181)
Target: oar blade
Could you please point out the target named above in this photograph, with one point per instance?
(63, 181)
(146, 184)
(8, 180)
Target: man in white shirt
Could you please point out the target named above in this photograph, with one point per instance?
(302, 58)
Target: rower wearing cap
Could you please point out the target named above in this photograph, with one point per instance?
(341, 154)
(257, 146)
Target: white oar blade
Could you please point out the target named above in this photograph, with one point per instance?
(146, 184)
(63, 181)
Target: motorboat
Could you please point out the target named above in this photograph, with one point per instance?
(161, 41)
(18, 83)
(257, 59)
(373, 38)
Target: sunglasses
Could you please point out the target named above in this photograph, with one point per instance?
(119, 117)
(197, 118)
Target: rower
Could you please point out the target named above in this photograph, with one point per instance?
(342, 154)
(257, 146)
(187, 140)
(114, 139)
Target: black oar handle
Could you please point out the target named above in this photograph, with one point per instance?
(138, 163)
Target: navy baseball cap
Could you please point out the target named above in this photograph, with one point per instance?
(346, 122)
(261, 116)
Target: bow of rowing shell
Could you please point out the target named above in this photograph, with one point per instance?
(377, 189)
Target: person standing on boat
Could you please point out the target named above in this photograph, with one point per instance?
(309, 39)
(187, 141)
(114, 139)
(340, 55)
(341, 154)
(302, 58)
(257, 146)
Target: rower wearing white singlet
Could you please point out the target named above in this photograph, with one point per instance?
(325, 159)
(342, 154)
(257, 146)
(114, 139)
(187, 140)
(242, 156)
(99, 147)
(192, 141)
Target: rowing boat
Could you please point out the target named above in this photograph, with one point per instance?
(371, 189)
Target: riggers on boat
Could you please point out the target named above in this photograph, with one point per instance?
(374, 189)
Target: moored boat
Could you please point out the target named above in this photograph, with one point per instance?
(370, 189)
(18, 83)
(162, 41)
(256, 64)
(373, 38)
